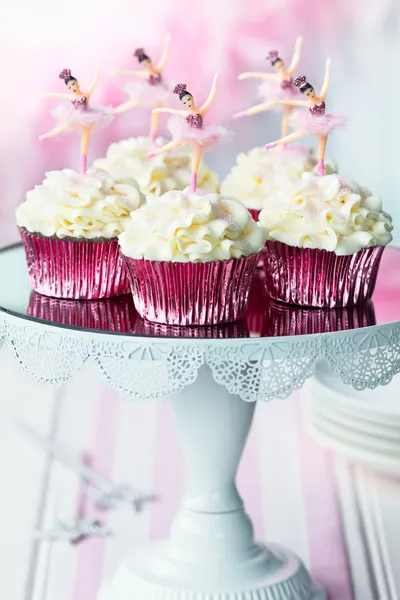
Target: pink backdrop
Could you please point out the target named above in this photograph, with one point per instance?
(38, 39)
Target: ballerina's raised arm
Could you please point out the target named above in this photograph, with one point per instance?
(57, 95)
(258, 75)
(204, 108)
(164, 56)
(131, 72)
(327, 80)
(296, 57)
(94, 83)
(254, 110)
(171, 111)
(287, 103)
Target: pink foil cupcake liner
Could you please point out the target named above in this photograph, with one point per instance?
(206, 293)
(283, 319)
(258, 300)
(318, 278)
(74, 269)
(254, 213)
(113, 314)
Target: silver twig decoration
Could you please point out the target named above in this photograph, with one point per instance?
(123, 493)
(74, 532)
(110, 495)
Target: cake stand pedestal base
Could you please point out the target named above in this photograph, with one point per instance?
(271, 574)
(211, 553)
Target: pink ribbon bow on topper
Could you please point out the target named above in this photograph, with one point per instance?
(138, 52)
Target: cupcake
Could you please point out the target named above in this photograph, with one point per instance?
(327, 236)
(163, 173)
(70, 226)
(191, 257)
(259, 174)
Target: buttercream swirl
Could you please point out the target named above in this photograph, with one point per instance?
(165, 172)
(329, 213)
(68, 204)
(184, 226)
(258, 174)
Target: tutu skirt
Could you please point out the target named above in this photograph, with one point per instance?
(96, 116)
(316, 125)
(207, 136)
(270, 90)
(146, 95)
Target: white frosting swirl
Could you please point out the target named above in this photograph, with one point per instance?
(165, 172)
(184, 226)
(258, 174)
(329, 213)
(68, 204)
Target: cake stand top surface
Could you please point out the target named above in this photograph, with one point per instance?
(266, 355)
(265, 318)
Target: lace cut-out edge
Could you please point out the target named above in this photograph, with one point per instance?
(255, 369)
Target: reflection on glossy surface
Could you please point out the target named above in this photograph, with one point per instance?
(281, 319)
(238, 329)
(267, 318)
(113, 314)
(264, 317)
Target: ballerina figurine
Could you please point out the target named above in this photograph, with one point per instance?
(150, 91)
(77, 114)
(191, 129)
(277, 86)
(316, 121)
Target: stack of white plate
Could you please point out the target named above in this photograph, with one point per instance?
(364, 426)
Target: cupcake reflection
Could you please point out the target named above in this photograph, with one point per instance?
(237, 329)
(113, 314)
(282, 319)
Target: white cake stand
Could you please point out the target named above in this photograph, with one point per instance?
(213, 379)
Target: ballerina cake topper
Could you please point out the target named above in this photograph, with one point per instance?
(150, 91)
(276, 86)
(187, 127)
(78, 114)
(315, 121)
